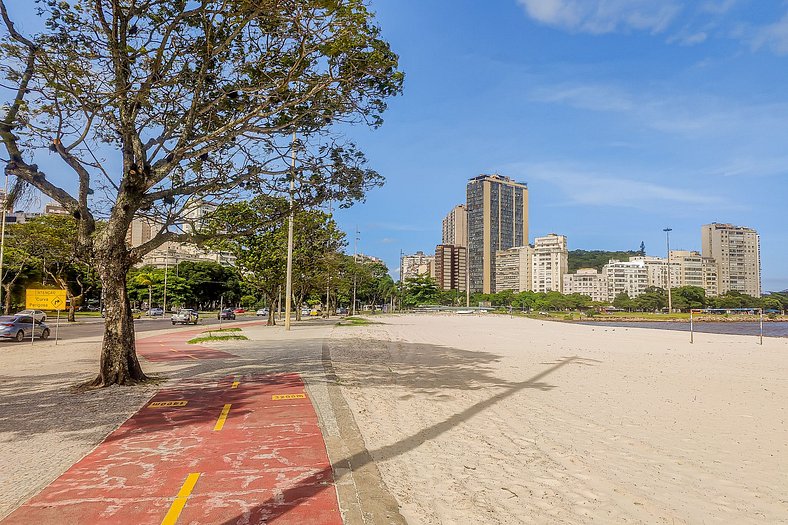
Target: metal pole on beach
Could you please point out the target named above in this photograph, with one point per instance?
(692, 328)
(761, 326)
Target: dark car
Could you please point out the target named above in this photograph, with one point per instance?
(226, 314)
(19, 328)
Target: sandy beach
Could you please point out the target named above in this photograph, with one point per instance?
(488, 419)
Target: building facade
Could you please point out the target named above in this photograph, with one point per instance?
(736, 251)
(695, 270)
(587, 281)
(497, 209)
(450, 267)
(550, 263)
(513, 269)
(658, 268)
(418, 264)
(629, 277)
(455, 227)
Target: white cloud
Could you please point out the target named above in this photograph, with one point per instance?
(585, 186)
(603, 16)
(774, 36)
(693, 115)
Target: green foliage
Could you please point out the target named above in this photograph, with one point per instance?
(420, 290)
(596, 258)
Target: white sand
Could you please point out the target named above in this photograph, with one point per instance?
(486, 420)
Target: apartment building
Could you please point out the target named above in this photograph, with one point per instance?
(630, 277)
(450, 267)
(550, 263)
(455, 227)
(497, 209)
(736, 251)
(418, 264)
(658, 268)
(513, 269)
(695, 270)
(587, 281)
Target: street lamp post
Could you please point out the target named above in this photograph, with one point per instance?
(667, 239)
(2, 232)
(355, 272)
(289, 282)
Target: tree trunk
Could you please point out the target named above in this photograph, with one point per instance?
(119, 364)
(7, 306)
(271, 309)
(72, 317)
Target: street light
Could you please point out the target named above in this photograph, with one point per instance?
(667, 239)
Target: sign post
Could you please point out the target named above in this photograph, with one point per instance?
(45, 300)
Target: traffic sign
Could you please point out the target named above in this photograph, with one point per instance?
(45, 299)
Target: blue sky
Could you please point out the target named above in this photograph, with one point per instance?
(624, 117)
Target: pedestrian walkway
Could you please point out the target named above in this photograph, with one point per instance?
(247, 449)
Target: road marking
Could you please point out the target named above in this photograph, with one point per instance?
(180, 500)
(235, 384)
(222, 417)
(162, 404)
(278, 397)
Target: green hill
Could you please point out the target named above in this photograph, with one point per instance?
(596, 258)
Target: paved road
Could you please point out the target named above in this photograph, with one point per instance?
(95, 327)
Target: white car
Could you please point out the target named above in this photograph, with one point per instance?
(39, 315)
(262, 311)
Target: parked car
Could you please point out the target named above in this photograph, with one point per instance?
(341, 310)
(239, 311)
(19, 327)
(226, 314)
(185, 316)
(40, 315)
(262, 312)
(305, 311)
(155, 312)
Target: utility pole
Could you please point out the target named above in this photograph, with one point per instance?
(329, 256)
(401, 277)
(166, 267)
(670, 299)
(289, 283)
(467, 278)
(355, 271)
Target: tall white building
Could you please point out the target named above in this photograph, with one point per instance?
(736, 251)
(695, 270)
(455, 227)
(629, 277)
(587, 281)
(658, 271)
(550, 263)
(418, 264)
(513, 269)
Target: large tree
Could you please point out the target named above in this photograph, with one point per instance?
(160, 106)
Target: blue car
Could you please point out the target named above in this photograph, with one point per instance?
(19, 328)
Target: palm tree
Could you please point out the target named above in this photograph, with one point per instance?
(147, 279)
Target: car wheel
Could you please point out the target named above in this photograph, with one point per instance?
(20, 336)
(43, 319)
(173, 323)
(45, 334)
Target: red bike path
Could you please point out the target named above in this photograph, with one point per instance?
(247, 449)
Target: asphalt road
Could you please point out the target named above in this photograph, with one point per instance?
(94, 327)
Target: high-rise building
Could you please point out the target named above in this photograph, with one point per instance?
(587, 281)
(695, 270)
(550, 263)
(497, 210)
(629, 277)
(737, 253)
(658, 268)
(418, 264)
(513, 269)
(141, 231)
(450, 267)
(455, 227)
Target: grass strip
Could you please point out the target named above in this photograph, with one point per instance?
(205, 338)
(221, 330)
